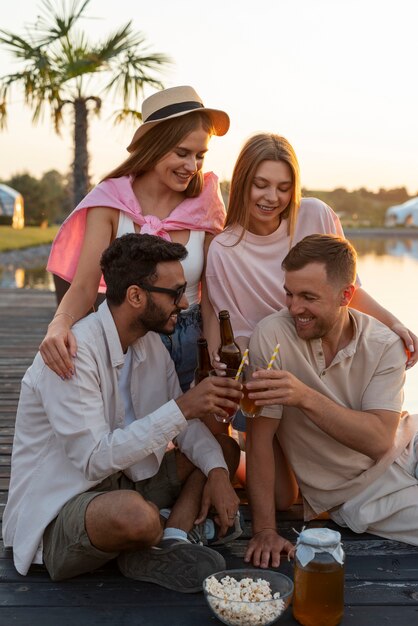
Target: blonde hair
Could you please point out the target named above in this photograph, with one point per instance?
(261, 147)
(158, 141)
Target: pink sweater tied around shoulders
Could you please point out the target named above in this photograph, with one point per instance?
(205, 212)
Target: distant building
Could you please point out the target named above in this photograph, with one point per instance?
(11, 207)
(405, 214)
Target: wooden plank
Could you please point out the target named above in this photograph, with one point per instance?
(130, 592)
(357, 569)
(108, 615)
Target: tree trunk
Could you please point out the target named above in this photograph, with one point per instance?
(81, 180)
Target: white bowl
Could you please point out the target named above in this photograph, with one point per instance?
(224, 599)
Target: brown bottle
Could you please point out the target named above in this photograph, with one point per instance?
(203, 361)
(229, 351)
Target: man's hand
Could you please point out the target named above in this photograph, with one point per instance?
(265, 547)
(210, 397)
(277, 387)
(219, 494)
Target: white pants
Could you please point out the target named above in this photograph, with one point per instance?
(389, 506)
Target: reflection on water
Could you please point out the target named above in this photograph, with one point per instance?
(381, 246)
(33, 278)
(388, 269)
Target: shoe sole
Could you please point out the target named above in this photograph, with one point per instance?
(180, 567)
(227, 539)
(231, 536)
(200, 538)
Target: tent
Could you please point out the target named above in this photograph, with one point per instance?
(405, 214)
(11, 207)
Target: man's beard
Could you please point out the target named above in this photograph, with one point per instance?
(155, 319)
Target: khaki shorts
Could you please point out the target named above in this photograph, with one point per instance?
(67, 550)
(389, 506)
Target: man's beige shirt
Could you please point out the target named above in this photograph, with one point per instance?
(367, 374)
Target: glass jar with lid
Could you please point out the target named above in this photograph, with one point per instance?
(318, 598)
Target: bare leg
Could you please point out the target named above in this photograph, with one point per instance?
(122, 520)
(215, 427)
(186, 508)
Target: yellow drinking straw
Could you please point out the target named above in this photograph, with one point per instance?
(241, 365)
(273, 357)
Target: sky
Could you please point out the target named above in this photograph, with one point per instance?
(337, 78)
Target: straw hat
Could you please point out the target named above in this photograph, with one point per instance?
(175, 102)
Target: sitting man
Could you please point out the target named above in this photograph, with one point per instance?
(90, 467)
(332, 409)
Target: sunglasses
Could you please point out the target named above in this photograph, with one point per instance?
(177, 294)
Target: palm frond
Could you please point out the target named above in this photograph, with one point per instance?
(55, 23)
(127, 115)
(3, 114)
(17, 45)
(132, 72)
(76, 58)
(98, 104)
(57, 115)
(118, 42)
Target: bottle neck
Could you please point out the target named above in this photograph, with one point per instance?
(203, 358)
(227, 336)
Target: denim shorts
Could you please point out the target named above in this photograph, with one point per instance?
(240, 421)
(182, 344)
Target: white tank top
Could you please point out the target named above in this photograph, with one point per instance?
(192, 264)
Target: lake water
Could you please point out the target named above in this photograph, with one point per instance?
(388, 269)
(387, 266)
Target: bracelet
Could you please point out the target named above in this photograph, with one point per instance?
(64, 313)
(263, 529)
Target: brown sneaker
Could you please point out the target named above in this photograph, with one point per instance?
(174, 564)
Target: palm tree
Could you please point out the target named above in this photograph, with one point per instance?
(61, 67)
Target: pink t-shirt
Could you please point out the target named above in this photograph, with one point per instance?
(247, 279)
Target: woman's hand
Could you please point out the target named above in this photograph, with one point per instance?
(243, 343)
(411, 343)
(59, 348)
(217, 365)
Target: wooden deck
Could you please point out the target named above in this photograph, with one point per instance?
(381, 576)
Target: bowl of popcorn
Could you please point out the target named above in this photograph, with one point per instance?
(248, 597)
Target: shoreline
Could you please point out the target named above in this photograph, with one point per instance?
(381, 231)
(37, 256)
(27, 258)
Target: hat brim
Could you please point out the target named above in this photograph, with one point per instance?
(220, 121)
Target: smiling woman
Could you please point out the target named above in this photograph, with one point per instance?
(159, 189)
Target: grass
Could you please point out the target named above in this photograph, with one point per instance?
(11, 239)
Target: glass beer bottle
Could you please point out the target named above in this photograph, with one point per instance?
(318, 598)
(203, 361)
(229, 351)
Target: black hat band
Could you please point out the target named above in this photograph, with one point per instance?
(172, 109)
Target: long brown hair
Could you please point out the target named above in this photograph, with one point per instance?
(158, 141)
(261, 147)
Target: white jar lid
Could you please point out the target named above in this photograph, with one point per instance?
(319, 537)
(316, 541)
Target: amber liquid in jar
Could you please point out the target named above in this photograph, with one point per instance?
(318, 598)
